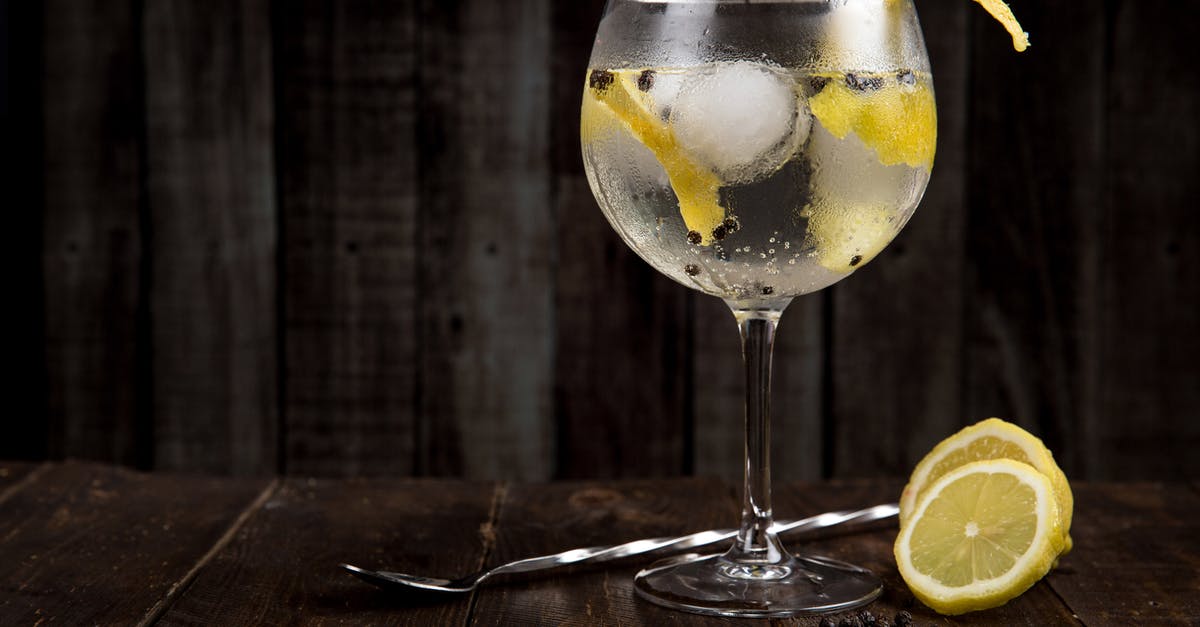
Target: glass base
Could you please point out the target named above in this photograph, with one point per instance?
(717, 585)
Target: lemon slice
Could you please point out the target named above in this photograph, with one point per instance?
(696, 186)
(990, 439)
(897, 120)
(846, 240)
(981, 534)
(1004, 15)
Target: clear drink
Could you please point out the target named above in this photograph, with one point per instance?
(755, 179)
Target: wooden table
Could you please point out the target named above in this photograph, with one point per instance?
(90, 544)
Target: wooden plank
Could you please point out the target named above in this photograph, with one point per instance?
(282, 567)
(539, 519)
(25, 436)
(346, 118)
(622, 364)
(86, 544)
(1035, 163)
(486, 240)
(14, 474)
(1136, 555)
(872, 548)
(211, 194)
(1151, 249)
(896, 329)
(92, 242)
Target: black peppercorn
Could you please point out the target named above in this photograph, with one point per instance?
(903, 619)
(719, 232)
(646, 80)
(767, 290)
(600, 79)
(828, 622)
(867, 618)
(731, 225)
(863, 83)
(694, 237)
(691, 269)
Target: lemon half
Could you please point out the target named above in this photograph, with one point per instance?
(990, 439)
(980, 535)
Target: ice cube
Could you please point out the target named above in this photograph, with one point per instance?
(743, 119)
(663, 91)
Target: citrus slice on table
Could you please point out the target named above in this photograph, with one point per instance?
(990, 439)
(980, 535)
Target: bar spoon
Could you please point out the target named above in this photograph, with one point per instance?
(595, 554)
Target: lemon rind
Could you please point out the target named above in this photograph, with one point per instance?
(1026, 571)
(1035, 450)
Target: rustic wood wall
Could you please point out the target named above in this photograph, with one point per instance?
(350, 237)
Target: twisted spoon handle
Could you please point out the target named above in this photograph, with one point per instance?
(606, 553)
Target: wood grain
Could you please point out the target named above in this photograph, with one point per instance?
(1150, 307)
(373, 325)
(346, 120)
(93, 247)
(13, 474)
(622, 340)
(535, 520)
(1135, 558)
(872, 548)
(1035, 162)
(487, 247)
(282, 566)
(211, 193)
(89, 544)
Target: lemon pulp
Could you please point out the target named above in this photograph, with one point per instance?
(982, 535)
(989, 439)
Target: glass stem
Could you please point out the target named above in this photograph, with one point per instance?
(756, 543)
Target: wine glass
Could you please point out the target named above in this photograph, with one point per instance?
(757, 151)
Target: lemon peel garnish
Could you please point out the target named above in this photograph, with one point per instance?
(1004, 15)
(696, 186)
(846, 240)
(897, 121)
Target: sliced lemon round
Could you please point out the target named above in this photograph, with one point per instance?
(990, 439)
(980, 535)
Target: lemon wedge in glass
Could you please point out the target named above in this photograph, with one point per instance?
(695, 185)
(979, 536)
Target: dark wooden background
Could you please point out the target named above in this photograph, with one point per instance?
(354, 238)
